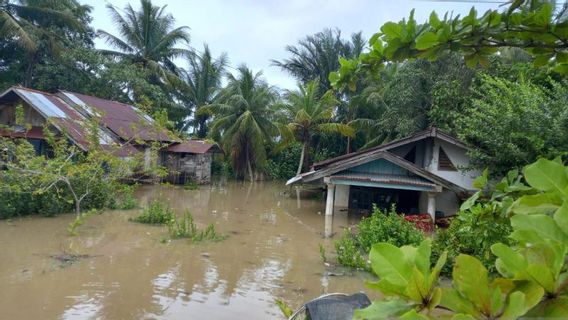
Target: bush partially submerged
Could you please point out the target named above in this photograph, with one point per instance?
(381, 226)
(185, 227)
(155, 213)
(473, 232)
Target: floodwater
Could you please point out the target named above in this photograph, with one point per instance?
(131, 272)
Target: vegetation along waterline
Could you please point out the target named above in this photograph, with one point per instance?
(427, 156)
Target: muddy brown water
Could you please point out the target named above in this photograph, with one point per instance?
(272, 252)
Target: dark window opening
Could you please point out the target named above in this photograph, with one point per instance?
(444, 162)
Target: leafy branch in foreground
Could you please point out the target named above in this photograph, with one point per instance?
(534, 276)
(535, 26)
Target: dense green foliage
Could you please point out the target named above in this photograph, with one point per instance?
(243, 125)
(405, 81)
(533, 273)
(68, 180)
(284, 164)
(387, 226)
(506, 122)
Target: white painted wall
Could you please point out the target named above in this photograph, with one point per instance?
(341, 196)
(459, 158)
(446, 201)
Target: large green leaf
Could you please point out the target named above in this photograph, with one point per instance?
(433, 277)
(426, 40)
(547, 175)
(422, 257)
(543, 276)
(416, 289)
(515, 307)
(510, 263)
(553, 308)
(451, 299)
(390, 263)
(544, 226)
(383, 310)
(543, 203)
(413, 315)
(470, 279)
(561, 217)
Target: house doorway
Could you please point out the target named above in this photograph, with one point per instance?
(361, 199)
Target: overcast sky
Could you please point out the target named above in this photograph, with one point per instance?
(255, 31)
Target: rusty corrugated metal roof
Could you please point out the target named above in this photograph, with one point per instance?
(125, 120)
(192, 146)
(63, 116)
(33, 133)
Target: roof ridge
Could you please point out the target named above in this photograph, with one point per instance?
(98, 98)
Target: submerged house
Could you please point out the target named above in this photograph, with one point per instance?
(422, 173)
(120, 124)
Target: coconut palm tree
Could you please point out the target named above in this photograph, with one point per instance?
(33, 31)
(203, 79)
(242, 122)
(317, 55)
(308, 112)
(148, 38)
(26, 21)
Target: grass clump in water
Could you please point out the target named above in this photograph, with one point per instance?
(191, 185)
(156, 213)
(185, 227)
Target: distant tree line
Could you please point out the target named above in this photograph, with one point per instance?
(504, 101)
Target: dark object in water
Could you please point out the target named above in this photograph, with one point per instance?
(334, 306)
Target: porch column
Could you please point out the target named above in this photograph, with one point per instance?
(330, 199)
(328, 230)
(432, 205)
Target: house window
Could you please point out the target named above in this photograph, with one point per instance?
(444, 162)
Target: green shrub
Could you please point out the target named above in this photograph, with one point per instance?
(155, 213)
(349, 254)
(124, 199)
(185, 227)
(20, 197)
(284, 164)
(381, 226)
(473, 232)
(191, 185)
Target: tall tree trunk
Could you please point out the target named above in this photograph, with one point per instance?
(248, 164)
(78, 208)
(301, 164)
(201, 126)
(348, 145)
(306, 151)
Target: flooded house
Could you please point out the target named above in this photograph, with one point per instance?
(120, 124)
(186, 160)
(41, 109)
(423, 173)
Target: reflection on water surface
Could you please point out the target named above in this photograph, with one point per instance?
(271, 252)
